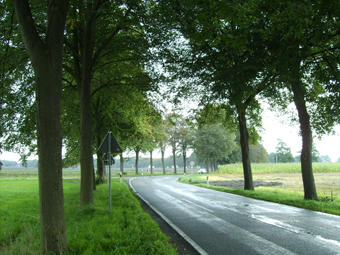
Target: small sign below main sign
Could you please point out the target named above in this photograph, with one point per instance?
(104, 147)
(106, 159)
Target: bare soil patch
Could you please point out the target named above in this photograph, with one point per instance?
(325, 182)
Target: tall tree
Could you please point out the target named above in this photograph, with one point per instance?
(93, 29)
(226, 57)
(283, 153)
(184, 139)
(162, 140)
(303, 40)
(258, 153)
(213, 143)
(172, 121)
(46, 55)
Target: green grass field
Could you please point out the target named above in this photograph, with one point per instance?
(127, 229)
(22, 173)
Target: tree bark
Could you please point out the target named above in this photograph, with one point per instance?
(137, 154)
(174, 158)
(100, 163)
(163, 164)
(84, 92)
(86, 154)
(151, 168)
(185, 162)
(244, 137)
(307, 141)
(121, 158)
(94, 178)
(207, 164)
(46, 57)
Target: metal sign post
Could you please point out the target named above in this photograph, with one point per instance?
(109, 155)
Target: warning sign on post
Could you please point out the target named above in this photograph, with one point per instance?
(104, 147)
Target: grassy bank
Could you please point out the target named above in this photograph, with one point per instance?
(127, 229)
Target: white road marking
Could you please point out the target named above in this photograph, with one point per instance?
(266, 209)
(197, 205)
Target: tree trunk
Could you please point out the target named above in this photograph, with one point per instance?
(244, 137)
(100, 163)
(151, 168)
(137, 154)
(163, 164)
(215, 165)
(86, 158)
(207, 164)
(46, 57)
(94, 178)
(84, 91)
(121, 163)
(174, 159)
(185, 162)
(307, 141)
(52, 219)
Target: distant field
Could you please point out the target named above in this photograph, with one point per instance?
(284, 168)
(21, 173)
(27, 173)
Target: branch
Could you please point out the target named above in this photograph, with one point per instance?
(108, 40)
(30, 36)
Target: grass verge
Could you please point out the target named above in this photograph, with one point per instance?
(127, 229)
(327, 204)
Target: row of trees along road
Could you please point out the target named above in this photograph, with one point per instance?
(96, 53)
(86, 69)
(239, 52)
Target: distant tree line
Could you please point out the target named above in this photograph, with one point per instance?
(29, 163)
(283, 154)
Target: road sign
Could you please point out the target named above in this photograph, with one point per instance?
(104, 147)
(192, 163)
(106, 159)
(108, 146)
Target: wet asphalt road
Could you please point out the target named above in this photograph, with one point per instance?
(221, 223)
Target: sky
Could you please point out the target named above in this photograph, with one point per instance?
(278, 127)
(275, 127)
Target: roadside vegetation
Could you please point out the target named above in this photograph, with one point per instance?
(91, 229)
(279, 183)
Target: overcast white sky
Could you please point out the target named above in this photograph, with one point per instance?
(275, 127)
